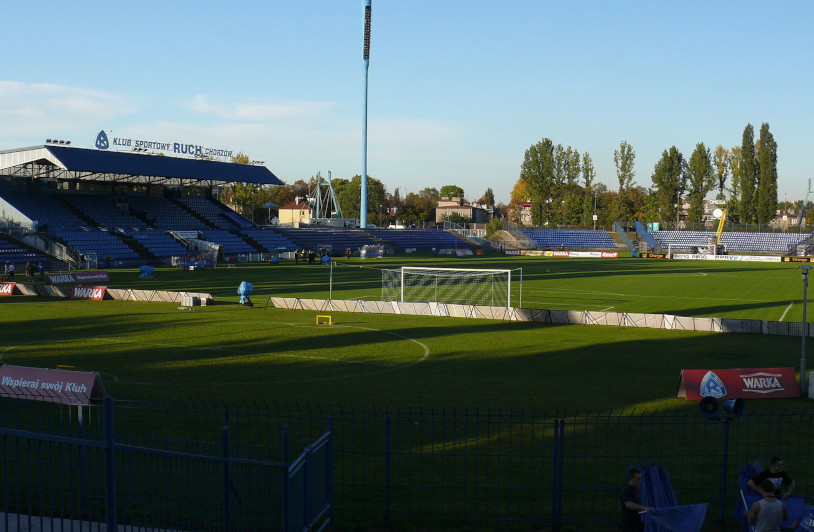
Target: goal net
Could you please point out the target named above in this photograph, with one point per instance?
(448, 285)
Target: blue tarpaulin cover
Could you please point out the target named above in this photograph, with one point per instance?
(244, 291)
(146, 271)
(668, 515)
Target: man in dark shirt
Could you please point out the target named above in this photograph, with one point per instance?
(778, 477)
(631, 503)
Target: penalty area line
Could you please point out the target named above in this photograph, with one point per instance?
(786, 311)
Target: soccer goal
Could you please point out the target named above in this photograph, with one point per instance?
(452, 285)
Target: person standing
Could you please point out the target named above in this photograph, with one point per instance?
(631, 503)
(778, 477)
(767, 513)
(10, 271)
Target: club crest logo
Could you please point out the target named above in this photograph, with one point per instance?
(101, 140)
(712, 386)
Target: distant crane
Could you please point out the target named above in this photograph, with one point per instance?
(806, 203)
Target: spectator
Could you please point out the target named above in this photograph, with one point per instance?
(631, 503)
(778, 478)
(767, 514)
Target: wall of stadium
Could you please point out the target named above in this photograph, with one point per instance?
(573, 317)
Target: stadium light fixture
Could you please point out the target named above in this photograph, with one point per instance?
(366, 59)
(804, 333)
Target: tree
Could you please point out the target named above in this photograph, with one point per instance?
(452, 191)
(733, 205)
(241, 158)
(588, 175)
(766, 207)
(748, 177)
(455, 217)
(537, 171)
(350, 198)
(420, 207)
(488, 197)
(721, 162)
(623, 158)
(670, 178)
(700, 180)
(520, 194)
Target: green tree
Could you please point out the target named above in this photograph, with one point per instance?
(748, 177)
(420, 207)
(455, 217)
(767, 176)
(588, 175)
(537, 171)
(669, 178)
(452, 191)
(733, 205)
(721, 162)
(700, 180)
(488, 197)
(350, 198)
(623, 158)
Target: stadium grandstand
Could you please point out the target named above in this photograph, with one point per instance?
(569, 238)
(732, 241)
(64, 204)
(61, 205)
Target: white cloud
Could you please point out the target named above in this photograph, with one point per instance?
(258, 112)
(44, 108)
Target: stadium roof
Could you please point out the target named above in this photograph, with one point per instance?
(63, 162)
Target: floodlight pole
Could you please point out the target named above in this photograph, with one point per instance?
(366, 59)
(803, 380)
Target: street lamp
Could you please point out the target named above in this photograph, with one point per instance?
(803, 381)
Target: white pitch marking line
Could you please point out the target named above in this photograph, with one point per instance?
(785, 311)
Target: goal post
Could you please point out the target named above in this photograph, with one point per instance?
(452, 285)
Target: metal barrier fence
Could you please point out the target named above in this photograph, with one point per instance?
(67, 467)
(177, 469)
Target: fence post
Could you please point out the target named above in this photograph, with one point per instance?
(555, 473)
(329, 474)
(727, 421)
(286, 481)
(306, 487)
(561, 471)
(387, 455)
(226, 476)
(110, 465)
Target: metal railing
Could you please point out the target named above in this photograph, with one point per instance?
(186, 466)
(617, 227)
(67, 467)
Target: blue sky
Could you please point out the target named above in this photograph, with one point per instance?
(458, 89)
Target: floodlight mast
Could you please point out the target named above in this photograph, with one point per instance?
(366, 58)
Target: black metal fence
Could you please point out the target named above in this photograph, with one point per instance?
(140, 466)
(527, 470)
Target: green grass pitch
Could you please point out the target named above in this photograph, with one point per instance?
(227, 351)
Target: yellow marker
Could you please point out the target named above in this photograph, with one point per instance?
(324, 320)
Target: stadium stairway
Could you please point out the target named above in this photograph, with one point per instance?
(138, 247)
(617, 239)
(509, 240)
(76, 212)
(189, 210)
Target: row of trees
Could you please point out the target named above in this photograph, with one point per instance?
(560, 183)
(415, 207)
